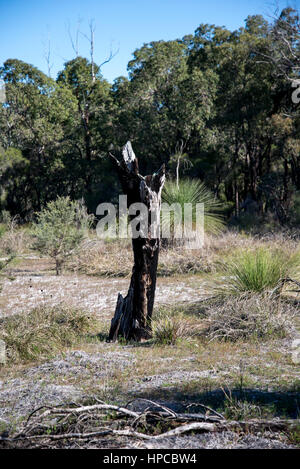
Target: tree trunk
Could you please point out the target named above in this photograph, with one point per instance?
(132, 319)
(237, 202)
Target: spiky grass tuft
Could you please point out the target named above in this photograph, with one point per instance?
(168, 326)
(194, 192)
(256, 271)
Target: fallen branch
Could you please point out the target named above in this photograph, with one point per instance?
(208, 409)
(78, 410)
(176, 431)
(63, 417)
(290, 280)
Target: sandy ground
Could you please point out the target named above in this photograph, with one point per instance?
(72, 376)
(27, 288)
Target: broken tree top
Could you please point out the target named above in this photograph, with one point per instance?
(132, 180)
(129, 156)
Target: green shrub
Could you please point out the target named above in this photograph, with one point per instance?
(43, 331)
(60, 229)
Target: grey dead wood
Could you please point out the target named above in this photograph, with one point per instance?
(42, 420)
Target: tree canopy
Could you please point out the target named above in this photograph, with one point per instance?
(221, 98)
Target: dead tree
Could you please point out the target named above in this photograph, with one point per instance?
(132, 319)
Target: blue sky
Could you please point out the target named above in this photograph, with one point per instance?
(26, 26)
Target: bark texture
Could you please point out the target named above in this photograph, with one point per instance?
(132, 319)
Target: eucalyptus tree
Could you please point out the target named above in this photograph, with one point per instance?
(92, 129)
(33, 120)
(163, 104)
(240, 139)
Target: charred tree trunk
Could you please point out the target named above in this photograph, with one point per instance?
(132, 319)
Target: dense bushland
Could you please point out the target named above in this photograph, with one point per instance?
(216, 105)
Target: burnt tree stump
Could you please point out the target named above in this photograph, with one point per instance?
(132, 318)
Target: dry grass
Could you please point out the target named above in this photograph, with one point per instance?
(232, 240)
(103, 258)
(14, 241)
(180, 261)
(115, 259)
(247, 317)
(44, 331)
(250, 316)
(168, 328)
(239, 409)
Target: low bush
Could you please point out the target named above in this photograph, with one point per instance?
(61, 227)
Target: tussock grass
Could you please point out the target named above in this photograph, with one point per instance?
(250, 316)
(168, 326)
(257, 270)
(242, 409)
(166, 331)
(43, 332)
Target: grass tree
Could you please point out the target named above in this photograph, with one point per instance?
(60, 228)
(193, 191)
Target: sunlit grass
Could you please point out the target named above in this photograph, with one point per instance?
(257, 271)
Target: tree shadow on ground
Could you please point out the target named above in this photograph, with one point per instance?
(285, 404)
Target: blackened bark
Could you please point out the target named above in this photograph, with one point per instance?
(132, 319)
